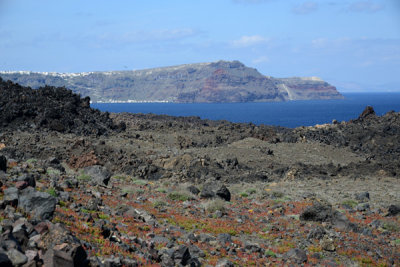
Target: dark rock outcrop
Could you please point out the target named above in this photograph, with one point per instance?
(55, 109)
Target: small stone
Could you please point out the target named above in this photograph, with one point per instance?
(32, 255)
(224, 263)
(11, 196)
(21, 185)
(194, 190)
(362, 197)
(393, 210)
(363, 207)
(327, 244)
(297, 255)
(224, 238)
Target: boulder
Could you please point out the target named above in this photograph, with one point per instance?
(54, 258)
(5, 260)
(182, 255)
(224, 238)
(224, 193)
(393, 210)
(98, 174)
(17, 258)
(11, 196)
(362, 197)
(194, 190)
(208, 190)
(297, 255)
(40, 205)
(320, 212)
(28, 178)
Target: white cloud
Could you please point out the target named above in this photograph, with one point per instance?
(246, 41)
(262, 59)
(305, 8)
(365, 6)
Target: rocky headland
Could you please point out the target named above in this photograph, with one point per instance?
(84, 188)
(222, 81)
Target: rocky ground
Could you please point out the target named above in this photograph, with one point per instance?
(134, 189)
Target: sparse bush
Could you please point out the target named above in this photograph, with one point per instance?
(270, 253)
(277, 194)
(214, 205)
(351, 203)
(159, 204)
(139, 181)
(251, 191)
(243, 194)
(31, 161)
(103, 216)
(161, 190)
(119, 177)
(52, 171)
(178, 196)
(83, 176)
(391, 226)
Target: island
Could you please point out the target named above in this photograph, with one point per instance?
(215, 82)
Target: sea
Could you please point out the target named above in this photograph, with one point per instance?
(287, 114)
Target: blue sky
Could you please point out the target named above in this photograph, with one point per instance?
(353, 44)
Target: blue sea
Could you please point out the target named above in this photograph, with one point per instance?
(288, 114)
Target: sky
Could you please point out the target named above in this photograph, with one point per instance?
(352, 44)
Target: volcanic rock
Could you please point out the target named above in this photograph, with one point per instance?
(3, 163)
(55, 109)
(40, 205)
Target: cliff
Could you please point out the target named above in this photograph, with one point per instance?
(222, 81)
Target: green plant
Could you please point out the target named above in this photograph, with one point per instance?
(178, 196)
(243, 194)
(103, 216)
(52, 192)
(83, 176)
(277, 194)
(119, 177)
(85, 211)
(351, 203)
(270, 253)
(159, 204)
(139, 181)
(251, 191)
(161, 190)
(391, 226)
(31, 161)
(62, 203)
(52, 171)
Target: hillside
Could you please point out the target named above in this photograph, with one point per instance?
(154, 190)
(222, 81)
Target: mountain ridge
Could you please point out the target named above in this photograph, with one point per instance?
(222, 81)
